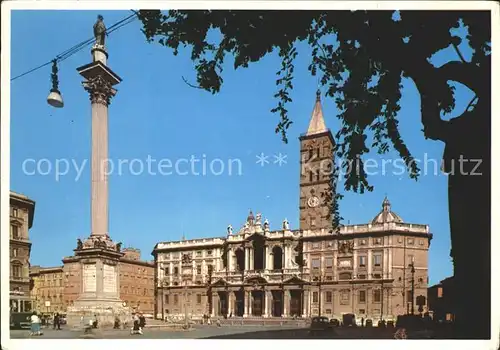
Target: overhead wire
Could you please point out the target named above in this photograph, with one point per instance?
(78, 47)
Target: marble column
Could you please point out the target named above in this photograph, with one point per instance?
(230, 303)
(266, 258)
(250, 302)
(266, 304)
(251, 256)
(100, 88)
(286, 303)
(305, 303)
(214, 304)
(247, 259)
(245, 304)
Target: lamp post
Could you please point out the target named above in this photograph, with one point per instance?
(412, 288)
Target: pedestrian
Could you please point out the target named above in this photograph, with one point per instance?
(35, 324)
(142, 321)
(57, 321)
(136, 329)
(362, 321)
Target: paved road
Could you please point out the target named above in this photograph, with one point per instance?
(213, 332)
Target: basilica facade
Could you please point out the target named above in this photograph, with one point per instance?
(376, 270)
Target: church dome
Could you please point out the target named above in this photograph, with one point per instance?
(386, 215)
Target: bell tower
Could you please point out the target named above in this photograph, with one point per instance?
(316, 166)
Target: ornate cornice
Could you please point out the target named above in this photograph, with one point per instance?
(100, 90)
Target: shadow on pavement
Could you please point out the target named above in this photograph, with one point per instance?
(303, 333)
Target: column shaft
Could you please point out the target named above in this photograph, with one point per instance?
(99, 185)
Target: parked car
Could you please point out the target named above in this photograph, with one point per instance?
(319, 324)
(413, 326)
(369, 323)
(348, 320)
(334, 322)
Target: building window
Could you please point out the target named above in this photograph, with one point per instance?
(198, 298)
(209, 252)
(362, 277)
(316, 245)
(362, 311)
(421, 242)
(345, 276)
(315, 297)
(328, 297)
(199, 253)
(14, 231)
(362, 261)
(410, 241)
(377, 260)
(176, 270)
(167, 271)
(362, 242)
(362, 296)
(440, 292)
(210, 269)
(376, 296)
(377, 241)
(313, 221)
(198, 269)
(345, 296)
(400, 240)
(315, 263)
(176, 299)
(328, 311)
(377, 276)
(408, 296)
(17, 270)
(329, 261)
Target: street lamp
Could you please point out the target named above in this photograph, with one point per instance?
(55, 99)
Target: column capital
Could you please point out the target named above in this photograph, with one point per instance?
(100, 90)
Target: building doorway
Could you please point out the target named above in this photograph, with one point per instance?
(239, 303)
(223, 303)
(277, 305)
(257, 303)
(296, 303)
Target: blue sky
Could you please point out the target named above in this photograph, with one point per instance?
(156, 114)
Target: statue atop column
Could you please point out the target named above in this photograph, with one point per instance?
(229, 230)
(100, 31)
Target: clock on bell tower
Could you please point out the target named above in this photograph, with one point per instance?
(316, 166)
